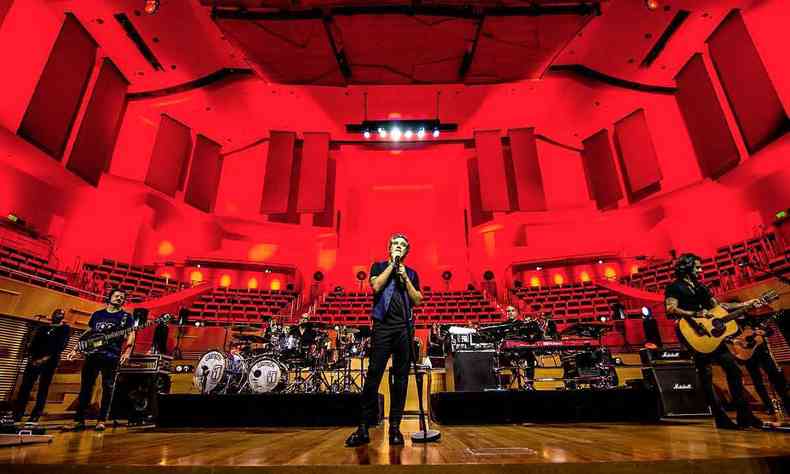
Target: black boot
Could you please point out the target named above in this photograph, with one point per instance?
(746, 419)
(358, 437)
(396, 437)
(724, 422)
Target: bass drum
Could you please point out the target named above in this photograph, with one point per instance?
(267, 375)
(219, 372)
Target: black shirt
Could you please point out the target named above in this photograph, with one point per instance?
(306, 338)
(103, 321)
(689, 298)
(49, 341)
(396, 313)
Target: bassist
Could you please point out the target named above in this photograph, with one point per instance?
(106, 359)
(687, 298)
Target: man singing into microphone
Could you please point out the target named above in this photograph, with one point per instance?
(396, 290)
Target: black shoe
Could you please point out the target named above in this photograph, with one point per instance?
(396, 437)
(358, 437)
(76, 426)
(33, 419)
(725, 423)
(748, 420)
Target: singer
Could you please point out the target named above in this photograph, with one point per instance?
(396, 290)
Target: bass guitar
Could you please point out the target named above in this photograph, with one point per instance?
(92, 341)
(705, 335)
(743, 345)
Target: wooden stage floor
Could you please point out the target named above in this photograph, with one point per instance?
(682, 446)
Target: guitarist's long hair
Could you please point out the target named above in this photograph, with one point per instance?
(684, 266)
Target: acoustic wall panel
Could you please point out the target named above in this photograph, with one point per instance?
(170, 156)
(312, 177)
(636, 152)
(201, 190)
(5, 5)
(277, 180)
(291, 215)
(56, 100)
(491, 171)
(95, 142)
(526, 167)
(326, 217)
(477, 214)
(600, 170)
(744, 78)
(701, 111)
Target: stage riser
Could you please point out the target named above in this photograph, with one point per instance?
(561, 406)
(275, 409)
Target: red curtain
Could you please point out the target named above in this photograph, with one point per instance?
(95, 142)
(170, 156)
(600, 170)
(313, 174)
(637, 154)
(201, 191)
(750, 92)
(704, 118)
(491, 171)
(527, 176)
(53, 108)
(277, 180)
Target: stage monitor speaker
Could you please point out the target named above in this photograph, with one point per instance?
(470, 371)
(679, 390)
(136, 397)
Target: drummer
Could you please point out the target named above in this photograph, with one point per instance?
(304, 331)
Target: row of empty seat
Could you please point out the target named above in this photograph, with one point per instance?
(444, 307)
(24, 266)
(140, 282)
(579, 302)
(232, 306)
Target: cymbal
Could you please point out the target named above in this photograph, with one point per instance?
(249, 338)
(242, 328)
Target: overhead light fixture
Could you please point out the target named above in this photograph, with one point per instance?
(151, 7)
(398, 128)
(366, 134)
(651, 5)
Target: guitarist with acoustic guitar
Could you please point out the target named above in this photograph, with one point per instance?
(43, 351)
(691, 301)
(105, 358)
(751, 347)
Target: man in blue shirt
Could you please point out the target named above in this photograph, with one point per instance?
(106, 359)
(396, 290)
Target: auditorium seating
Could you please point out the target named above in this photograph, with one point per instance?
(24, 266)
(140, 282)
(443, 307)
(567, 303)
(241, 305)
(721, 271)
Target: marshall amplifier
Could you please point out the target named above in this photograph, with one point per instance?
(672, 373)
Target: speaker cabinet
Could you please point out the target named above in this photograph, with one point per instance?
(470, 371)
(679, 389)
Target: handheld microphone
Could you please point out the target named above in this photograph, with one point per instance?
(396, 260)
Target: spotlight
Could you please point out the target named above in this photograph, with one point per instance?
(651, 5)
(382, 133)
(538, 268)
(366, 133)
(395, 133)
(600, 262)
(421, 133)
(603, 319)
(436, 132)
(646, 312)
(408, 134)
(151, 7)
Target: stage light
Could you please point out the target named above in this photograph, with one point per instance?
(600, 261)
(382, 133)
(435, 133)
(538, 268)
(603, 319)
(366, 133)
(395, 133)
(408, 134)
(646, 312)
(651, 5)
(151, 7)
(421, 133)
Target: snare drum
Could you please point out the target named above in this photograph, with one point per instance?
(267, 374)
(220, 372)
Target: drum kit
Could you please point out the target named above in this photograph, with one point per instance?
(319, 359)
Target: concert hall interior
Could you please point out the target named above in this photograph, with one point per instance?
(565, 200)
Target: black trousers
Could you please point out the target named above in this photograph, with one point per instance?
(762, 359)
(387, 341)
(44, 374)
(729, 363)
(96, 364)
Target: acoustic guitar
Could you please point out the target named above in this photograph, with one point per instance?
(743, 345)
(720, 326)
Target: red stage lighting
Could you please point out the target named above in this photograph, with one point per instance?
(151, 7)
(651, 4)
